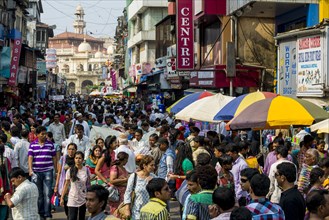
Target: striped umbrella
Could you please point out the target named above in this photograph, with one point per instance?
(238, 104)
(187, 100)
(278, 112)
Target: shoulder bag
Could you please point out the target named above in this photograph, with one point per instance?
(121, 210)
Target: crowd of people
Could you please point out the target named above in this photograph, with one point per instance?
(49, 157)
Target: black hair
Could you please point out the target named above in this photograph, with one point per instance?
(192, 176)
(316, 173)
(98, 139)
(288, 145)
(225, 160)
(260, 185)
(5, 125)
(15, 132)
(163, 141)
(308, 139)
(200, 140)
(92, 151)
(174, 134)
(207, 176)
(324, 163)
(74, 170)
(249, 173)
(224, 198)
(278, 140)
(139, 131)
(241, 213)
(288, 170)
(315, 199)
(109, 140)
(25, 133)
(3, 169)
(184, 152)
(203, 159)
(80, 127)
(244, 145)
(16, 172)
(194, 129)
(155, 136)
(3, 138)
(102, 194)
(282, 150)
(155, 185)
(232, 147)
(40, 129)
(120, 157)
(220, 148)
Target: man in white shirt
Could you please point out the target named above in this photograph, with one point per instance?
(79, 121)
(9, 153)
(20, 151)
(82, 141)
(24, 202)
(274, 191)
(57, 129)
(131, 164)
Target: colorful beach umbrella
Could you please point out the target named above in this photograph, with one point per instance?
(204, 109)
(278, 112)
(187, 100)
(238, 104)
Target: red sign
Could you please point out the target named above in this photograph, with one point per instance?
(16, 52)
(185, 35)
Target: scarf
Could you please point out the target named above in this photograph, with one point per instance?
(69, 161)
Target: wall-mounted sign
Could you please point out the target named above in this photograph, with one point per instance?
(16, 53)
(185, 35)
(309, 67)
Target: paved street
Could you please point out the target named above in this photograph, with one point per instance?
(174, 212)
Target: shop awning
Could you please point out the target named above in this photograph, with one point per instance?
(190, 91)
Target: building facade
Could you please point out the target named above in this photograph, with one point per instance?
(81, 59)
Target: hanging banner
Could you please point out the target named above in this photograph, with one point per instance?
(309, 68)
(16, 53)
(185, 35)
(287, 68)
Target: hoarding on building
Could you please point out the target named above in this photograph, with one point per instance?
(204, 79)
(185, 35)
(287, 68)
(309, 67)
(5, 62)
(51, 58)
(16, 53)
(171, 68)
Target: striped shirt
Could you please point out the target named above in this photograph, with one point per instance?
(42, 156)
(197, 208)
(155, 209)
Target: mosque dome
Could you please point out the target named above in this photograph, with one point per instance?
(98, 54)
(79, 8)
(84, 47)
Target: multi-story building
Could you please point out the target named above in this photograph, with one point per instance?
(143, 15)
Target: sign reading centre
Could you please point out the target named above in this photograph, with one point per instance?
(185, 35)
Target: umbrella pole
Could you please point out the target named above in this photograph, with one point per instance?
(261, 148)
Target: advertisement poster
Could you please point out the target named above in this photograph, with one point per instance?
(287, 69)
(309, 68)
(51, 58)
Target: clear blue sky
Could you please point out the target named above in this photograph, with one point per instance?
(100, 15)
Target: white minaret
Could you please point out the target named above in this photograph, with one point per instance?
(79, 24)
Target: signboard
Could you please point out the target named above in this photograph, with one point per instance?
(171, 68)
(51, 58)
(56, 97)
(309, 67)
(202, 79)
(287, 69)
(185, 35)
(41, 66)
(16, 53)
